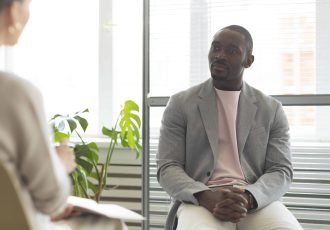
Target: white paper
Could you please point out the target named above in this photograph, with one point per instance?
(108, 210)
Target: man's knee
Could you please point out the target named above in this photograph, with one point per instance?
(275, 216)
(194, 217)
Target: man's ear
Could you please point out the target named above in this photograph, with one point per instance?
(249, 60)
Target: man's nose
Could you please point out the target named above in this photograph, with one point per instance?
(220, 54)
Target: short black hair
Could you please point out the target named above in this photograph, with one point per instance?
(245, 33)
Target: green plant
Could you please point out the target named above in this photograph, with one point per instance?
(90, 176)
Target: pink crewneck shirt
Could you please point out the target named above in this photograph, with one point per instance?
(228, 168)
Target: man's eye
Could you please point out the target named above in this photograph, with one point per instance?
(233, 51)
(215, 47)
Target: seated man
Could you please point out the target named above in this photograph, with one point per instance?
(224, 152)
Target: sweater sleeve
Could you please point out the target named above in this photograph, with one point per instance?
(38, 164)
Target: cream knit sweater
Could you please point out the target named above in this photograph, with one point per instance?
(26, 151)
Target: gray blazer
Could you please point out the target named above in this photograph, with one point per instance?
(188, 145)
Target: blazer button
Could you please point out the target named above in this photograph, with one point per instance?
(208, 173)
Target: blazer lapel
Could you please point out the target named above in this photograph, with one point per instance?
(245, 115)
(208, 110)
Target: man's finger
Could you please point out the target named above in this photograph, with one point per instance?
(239, 198)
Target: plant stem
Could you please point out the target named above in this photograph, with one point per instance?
(80, 137)
(111, 147)
(97, 171)
(83, 189)
(107, 161)
(98, 194)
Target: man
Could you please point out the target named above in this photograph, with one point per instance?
(224, 152)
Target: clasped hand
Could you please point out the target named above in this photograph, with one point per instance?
(226, 204)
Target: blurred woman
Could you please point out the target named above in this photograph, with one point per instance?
(40, 172)
(25, 148)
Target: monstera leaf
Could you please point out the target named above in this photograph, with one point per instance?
(130, 124)
(89, 179)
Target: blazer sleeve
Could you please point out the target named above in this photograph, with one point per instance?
(278, 171)
(171, 155)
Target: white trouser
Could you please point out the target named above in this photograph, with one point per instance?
(273, 217)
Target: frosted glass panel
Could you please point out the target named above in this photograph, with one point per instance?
(291, 45)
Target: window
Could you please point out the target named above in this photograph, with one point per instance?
(82, 54)
(290, 45)
(288, 36)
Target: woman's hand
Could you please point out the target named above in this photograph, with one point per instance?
(66, 213)
(66, 155)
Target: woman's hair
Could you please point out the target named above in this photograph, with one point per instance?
(5, 3)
